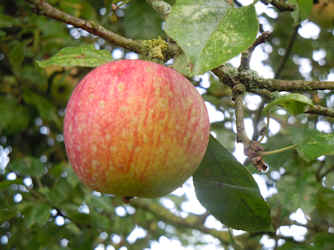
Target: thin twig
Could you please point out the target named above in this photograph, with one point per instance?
(288, 51)
(280, 150)
(245, 56)
(280, 5)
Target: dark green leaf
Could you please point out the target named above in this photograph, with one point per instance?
(303, 9)
(14, 117)
(45, 108)
(100, 221)
(225, 136)
(16, 55)
(7, 21)
(86, 56)
(60, 192)
(295, 246)
(325, 204)
(294, 103)
(210, 32)
(28, 166)
(311, 143)
(79, 8)
(229, 192)
(100, 203)
(297, 191)
(7, 214)
(141, 21)
(37, 214)
(2, 33)
(324, 241)
(282, 159)
(7, 183)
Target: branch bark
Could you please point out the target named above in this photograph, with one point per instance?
(253, 82)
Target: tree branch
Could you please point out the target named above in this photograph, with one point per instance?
(253, 82)
(320, 110)
(238, 92)
(191, 222)
(245, 56)
(288, 51)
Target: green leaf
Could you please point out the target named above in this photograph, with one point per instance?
(16, 55)
(297, 191)
(14, 117)
(282, 159)
(85, 56)
(37, 214)
(7, 183)
(295, 246)
(311, 143)
(303, 9)
(182, 65)
(324, 241)
(44, 107)
(2, 33)
(294, 103)
(210, 32)
(225, 136)
(7, 214)
(99, 203)
(141, 21)
(229, 192)
(7, 21)
(28, 166)
(325, 204)
(60, 192)
(79, 8)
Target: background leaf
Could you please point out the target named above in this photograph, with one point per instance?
(294, 103)
(37, 214)
(86, 56)
(14, 117)
(16, 55)
(303, 9)
(229, 192)
(28, 166)
(325, 203)
(211, 32)
(141, 21)
(311, 143)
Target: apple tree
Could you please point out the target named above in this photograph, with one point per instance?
(266, 72)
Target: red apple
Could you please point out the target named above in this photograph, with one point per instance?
(135, 128)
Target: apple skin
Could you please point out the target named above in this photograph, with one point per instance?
(135, 128)
(323, 13)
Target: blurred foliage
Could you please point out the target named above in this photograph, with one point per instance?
(42, 203)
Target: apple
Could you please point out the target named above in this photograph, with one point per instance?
(135, 128)
(323, 13)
